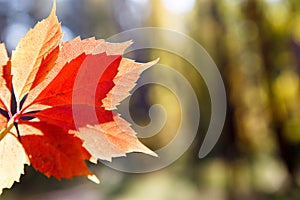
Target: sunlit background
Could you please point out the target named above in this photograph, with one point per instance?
(255, 44)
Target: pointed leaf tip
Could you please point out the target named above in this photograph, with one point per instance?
(53, 11)
(30, 51)
(93, 178)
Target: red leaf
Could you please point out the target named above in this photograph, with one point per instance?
(86, 70)
(66, 117)
(46, 65)
(69, 51)
(53, 151)
(63, 116)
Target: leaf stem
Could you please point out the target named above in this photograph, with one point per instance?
(6, 130)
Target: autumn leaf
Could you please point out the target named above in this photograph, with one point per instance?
(128, 73)
(26, 59)
(12, 160)
(57, 101)
(5, 79)
(49, 153)
(116, 136)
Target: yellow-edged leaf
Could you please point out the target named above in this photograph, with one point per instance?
(128, 73)
(3, 54)
(5, 93)
(111, 139)
(31, 50)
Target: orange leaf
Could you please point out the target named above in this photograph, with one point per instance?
(36, 45)
(3, 122)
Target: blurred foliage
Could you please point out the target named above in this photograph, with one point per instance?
(255, 44)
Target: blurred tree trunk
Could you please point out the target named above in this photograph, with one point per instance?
(224, 59)
(268, 44)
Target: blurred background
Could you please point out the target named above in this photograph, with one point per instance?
(256, 46)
